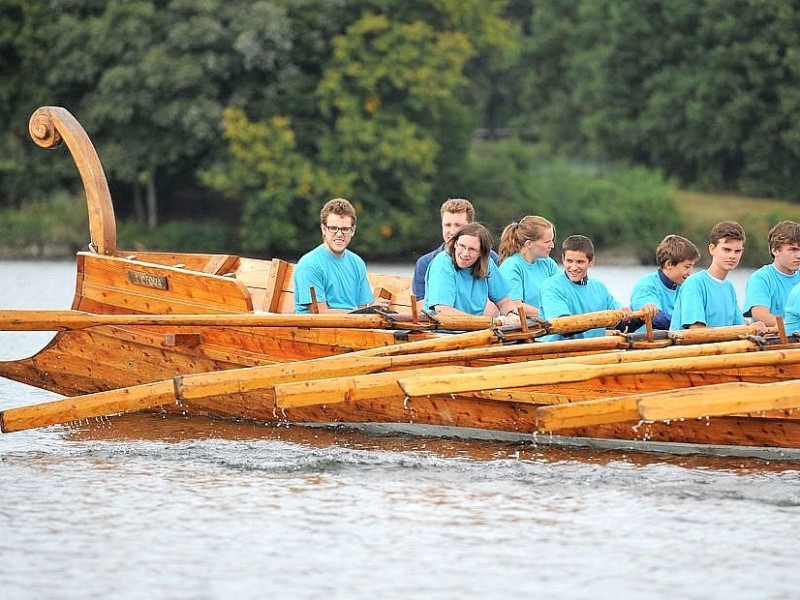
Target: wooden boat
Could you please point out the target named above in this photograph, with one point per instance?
(214, 335)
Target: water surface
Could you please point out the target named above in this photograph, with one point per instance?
(147, 507)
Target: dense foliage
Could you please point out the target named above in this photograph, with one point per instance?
(253, 113)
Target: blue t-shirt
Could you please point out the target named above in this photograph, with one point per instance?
(703, 299)
(525, 278)
(768, 287)
(421, 268)
(792, 311)
(562, 297)
(448, 285)
(655, 288)
(341, 282)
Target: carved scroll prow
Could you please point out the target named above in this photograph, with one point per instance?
(49, 126)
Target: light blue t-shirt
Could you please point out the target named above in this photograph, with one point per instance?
(421, 268)
(562, 297)
(448, 285)
(525, 278)
(792, 311)
(653, 289)
(768, 287)
(341, 282)
(703, 299)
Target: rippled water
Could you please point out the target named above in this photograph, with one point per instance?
(144, 507)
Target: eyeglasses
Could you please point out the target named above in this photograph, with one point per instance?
(465, 249)
(334, 230)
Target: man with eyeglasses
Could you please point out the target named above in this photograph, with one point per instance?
(338, 276)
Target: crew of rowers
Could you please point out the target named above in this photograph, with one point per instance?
(465, 276)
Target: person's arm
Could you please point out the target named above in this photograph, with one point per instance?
(418, 279)
(444, 309)
(661, 320)
(761, 313)
(509, 311)
(323, 308)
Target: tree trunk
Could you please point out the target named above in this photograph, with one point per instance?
(152, 201)
(138, 203)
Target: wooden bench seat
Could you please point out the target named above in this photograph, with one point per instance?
(272, 289)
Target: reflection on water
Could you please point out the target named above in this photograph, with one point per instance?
(147, 507)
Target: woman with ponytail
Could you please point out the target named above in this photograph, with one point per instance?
(525, 261)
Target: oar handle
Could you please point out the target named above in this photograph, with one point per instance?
(592, 320)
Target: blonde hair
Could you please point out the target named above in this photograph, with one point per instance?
(514, 236)
(458, 205)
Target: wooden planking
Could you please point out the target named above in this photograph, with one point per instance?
(285, 297)
(276, 279)
(398, 286)
(466, 411)
(265, 279)
(220, 264)
(105, 280)
(183, 260)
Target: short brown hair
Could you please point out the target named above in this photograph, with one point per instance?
(337, 206)
(578, 243)
(481, 267)
(675, 249)
(726, 230)
(458, 205)
(530, 227)
(785, 232)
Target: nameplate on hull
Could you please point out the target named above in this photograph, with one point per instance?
(148, 280)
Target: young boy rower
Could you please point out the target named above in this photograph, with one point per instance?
(707, 298)
(573, 292)
(675, 256)
(768, 288)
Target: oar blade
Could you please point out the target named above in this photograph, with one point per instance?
(101, 404)
(586, 413)
(720, 399)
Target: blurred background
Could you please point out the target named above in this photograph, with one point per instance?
(224, 125)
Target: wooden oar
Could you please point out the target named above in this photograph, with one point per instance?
(701, 335)
(100, 404)
(228, 382)
(362, 386)
(150, 395)
(519, 375)
(597, 411)
(250, 379)
(62, 320)
(686, 403)
(586, 321)
(721, 399)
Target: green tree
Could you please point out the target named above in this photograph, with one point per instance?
(391, 120)
(275, 182)
(704, 91)
(150, 79)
